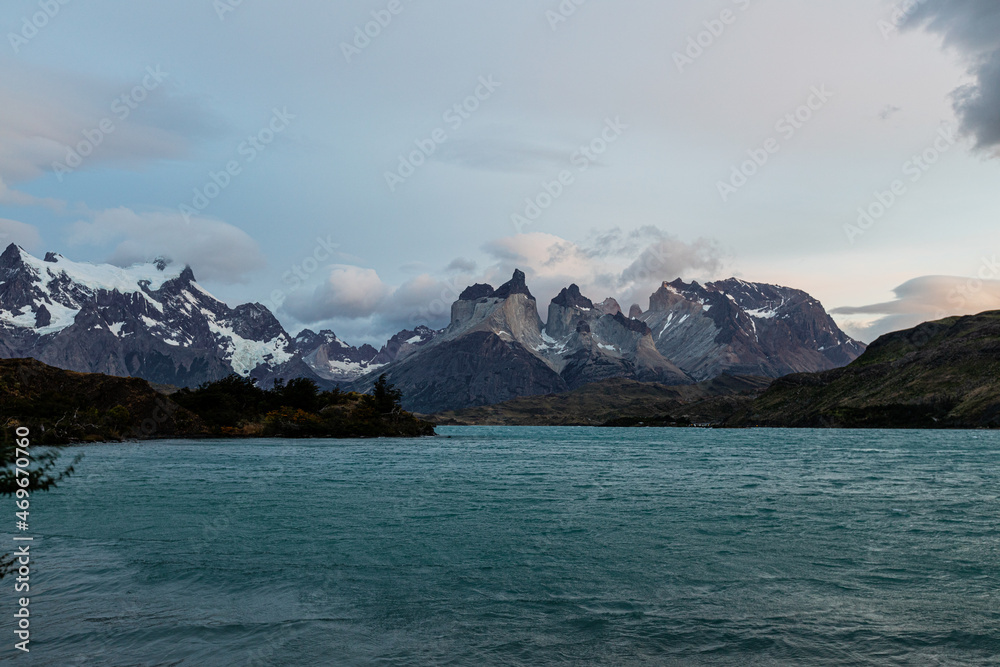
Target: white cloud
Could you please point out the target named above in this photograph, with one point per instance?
(356, 299)
(215, 250)
(628, 266)
(921, 300)
(348, 292)
(26, 236)
(461, 264)
(357, 304)
(45, 113)
(18, 198)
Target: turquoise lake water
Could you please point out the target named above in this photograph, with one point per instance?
(523, 546)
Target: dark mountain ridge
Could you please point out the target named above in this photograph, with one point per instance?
(943, 374)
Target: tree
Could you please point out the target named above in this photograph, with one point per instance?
(41, 477)
(227, 401)
(299, 393)
(385, 396)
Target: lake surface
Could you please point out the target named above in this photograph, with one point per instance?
(523, 546)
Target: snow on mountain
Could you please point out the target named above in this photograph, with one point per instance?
(737, 327)
(155, 321)
(149, 320)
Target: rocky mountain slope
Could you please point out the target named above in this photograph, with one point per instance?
(943, 374)
(745, 328)
(497, 347)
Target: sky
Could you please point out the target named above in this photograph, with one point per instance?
(355, 165)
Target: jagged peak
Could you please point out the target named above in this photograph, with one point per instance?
(307, 338)
(255, 308)
(476, 292)
(107, 277)
(636, 326)
(12, 256)
(635, 312)
(609, 306)
(516, 285)
(570, 297)
(306, 334)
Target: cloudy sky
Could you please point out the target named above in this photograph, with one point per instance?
(354, 165)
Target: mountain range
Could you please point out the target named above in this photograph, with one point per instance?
(496, 347)
(943, 374)
(156, 322)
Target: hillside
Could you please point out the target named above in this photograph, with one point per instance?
(620, 402)
(62, 407)
(943, 374)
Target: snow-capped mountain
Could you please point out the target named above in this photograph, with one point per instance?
(332, 359)
(151, 320)
(497, 347)
(156, 322)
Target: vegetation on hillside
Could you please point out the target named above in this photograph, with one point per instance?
(237, 407)
(943, 374)
(62, 407)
